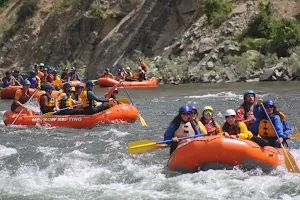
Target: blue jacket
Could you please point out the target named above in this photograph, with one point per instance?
(33, 81)
(170, 132)
(19, 77)
(6, 82)
(282, 129)
(70, 76)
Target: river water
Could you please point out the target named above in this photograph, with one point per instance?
(65, 163)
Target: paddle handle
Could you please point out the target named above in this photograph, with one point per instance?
(182, 138)
(70, 107)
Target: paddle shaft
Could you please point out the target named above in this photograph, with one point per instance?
(127, 93)
(23, 108)
(182, 138)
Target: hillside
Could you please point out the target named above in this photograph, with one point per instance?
(178, 41)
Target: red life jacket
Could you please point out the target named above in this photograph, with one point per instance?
(231, 129)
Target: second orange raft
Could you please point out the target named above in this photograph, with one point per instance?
(108, 82)
(118, 113)
(218, 152)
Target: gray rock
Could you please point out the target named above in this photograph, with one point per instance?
(252, 80)
(278, 73)
(210, 65)
(267, 75)
(230, 74)
(238, 10)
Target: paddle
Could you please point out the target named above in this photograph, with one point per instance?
(289, 161)
(294, 136)
(124, 100)
(141, 118)
(48, 114)
(145, 145)
(23, 108)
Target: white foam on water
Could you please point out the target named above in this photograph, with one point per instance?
(227, 95)
(6, 152)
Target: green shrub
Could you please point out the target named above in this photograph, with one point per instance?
(26, 10)
(3, 2)
(136, 2)
(101, 10)
(258, 44)
(216, 11)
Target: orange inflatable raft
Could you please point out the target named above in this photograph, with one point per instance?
(118, 113)
(9, 92)
(218, 152)
(108, 82)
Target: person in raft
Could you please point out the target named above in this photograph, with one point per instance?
(47, 102)
(73, 75)
(207, 119)
(180, 126)
(65, 100)
(194, 116)
(245, 111)
(106, 74)
(113, 95)
(89, 100)
(19, 78)
(64, 74)
(8, 79)
(21, 97)
(238, 129)
(263, 127)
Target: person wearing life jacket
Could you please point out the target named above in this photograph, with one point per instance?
(56, 80)
(50, 77)
(65, 100)
(78, 89)
(34, 82)
(18, 77)
(89, 100)
(128, 74)
(113, 95)
(212, 127)
(38, 70)
(238, 129)
(120, 76)
(141, 75)
(263, 127)
(245, 111)
(182, 125)
(143, 65)
(106, 74)
(8, 79)
(64, 74)
(47, 102)
(195, 117)
(73, 76)
(20, 98)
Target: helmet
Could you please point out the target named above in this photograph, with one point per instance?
(184, 109)
(116, 90)
(48, 86)
(26, 82)
(193, 107)
(229, 112)
(207, 108)
(90, 84)
(49, 69)
(73, 68)
(139, 68)
(78, 86)
(42, 64)
(249, 92)
(16, 71)
(8, 72)
(55, 71)
(45, 69)
(32, 73)
(127, 68)
(269, 102)
(66, 69)
(107, 69)
(140, 60)
(66, 85)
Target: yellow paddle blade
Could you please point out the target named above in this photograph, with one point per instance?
(46, 115)
(289, 161)
(142, 120)
(124, 100)
(293, 136)
(143, 145)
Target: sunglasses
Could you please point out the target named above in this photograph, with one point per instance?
(231, 116)
(194, 113)
(186, 113)
(207, 112)
(268, 107)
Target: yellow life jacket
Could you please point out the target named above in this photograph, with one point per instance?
(265, 127)
(64, 103)
(84, 99)
(38, 80)
(201, 127)
(185, 129)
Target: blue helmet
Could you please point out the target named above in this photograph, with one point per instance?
(269, 102)
(116, 90)
(32, 73)
(48, 86)
(90, 84)
(26, 82)
(107, 69)
(55, 71)
(249, 92)
(78, 86)
(49, 69)
(45, 69)
(73, 68)
(184, 109)
(67, 85)
(193, 107)
(66, 69)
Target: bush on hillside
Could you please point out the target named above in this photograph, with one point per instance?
(216, 11)
(3, 2)
(26, 10)
(258, 44)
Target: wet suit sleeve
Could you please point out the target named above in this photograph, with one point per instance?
(170, 132)
(6, 82)
(278, 125)
(91, 95)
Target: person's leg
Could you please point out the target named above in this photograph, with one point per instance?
(260, 141)
(173, 147)
(27, 111)
(101, 108)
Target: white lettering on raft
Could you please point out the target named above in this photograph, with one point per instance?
(59, 119)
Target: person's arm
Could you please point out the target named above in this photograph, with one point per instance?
(18, 95)
(244, 133)
(59, 98)
(6, 82)
(69, 77)
(170, 132)
(278, 125)
(287, 129)
(78, 78)
(91, 95)
(21, 79)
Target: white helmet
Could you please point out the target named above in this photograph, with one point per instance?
(139, 68)
(127, 68)
(229, 112)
